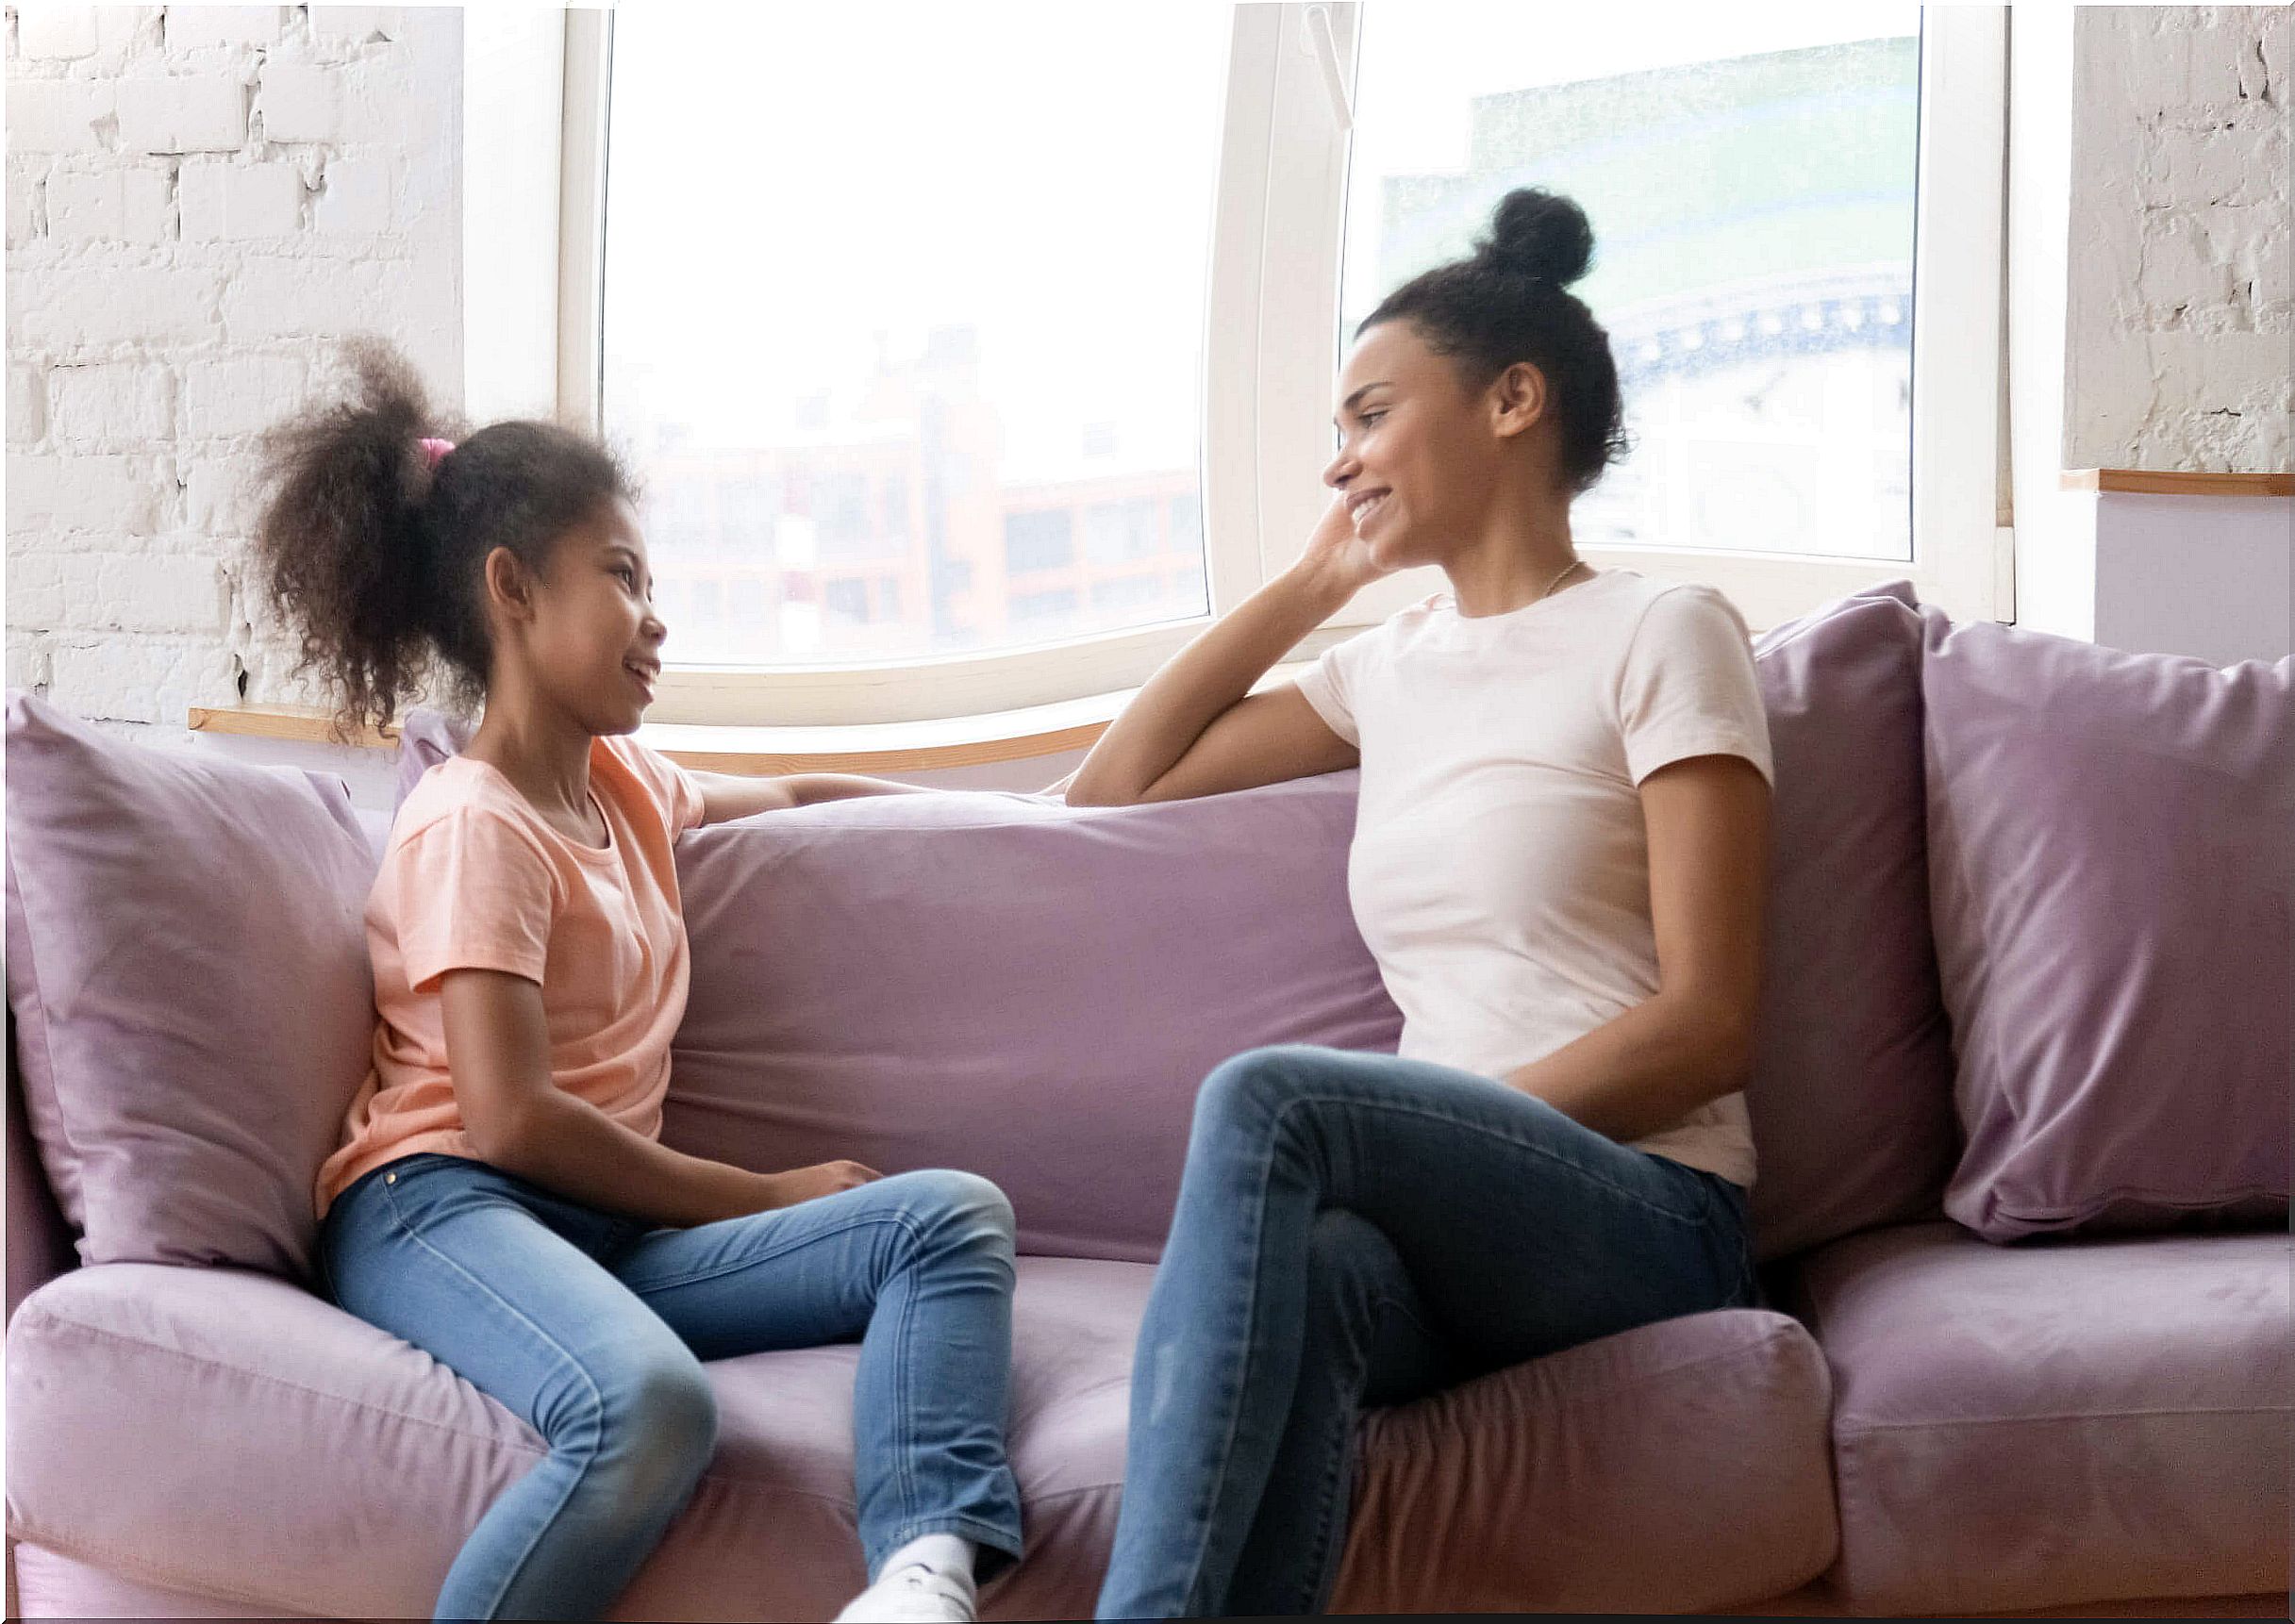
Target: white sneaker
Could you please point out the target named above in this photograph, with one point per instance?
(913, 1594)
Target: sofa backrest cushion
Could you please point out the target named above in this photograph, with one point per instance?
(1851, 1097)
(2109, 839)
(1007, 985)
(187, 967)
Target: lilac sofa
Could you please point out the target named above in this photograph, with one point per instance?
(2005, 1368)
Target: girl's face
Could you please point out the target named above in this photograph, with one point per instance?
(595, 641)
(1419, 456)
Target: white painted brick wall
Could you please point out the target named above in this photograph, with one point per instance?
(203, 202)
(2179, 315)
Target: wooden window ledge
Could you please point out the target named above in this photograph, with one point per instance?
(767, 751)
(2168, 481)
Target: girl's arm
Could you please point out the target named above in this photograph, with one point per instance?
(498, 1051)
(1197, 729)
(1692, 1041)
(726, 796)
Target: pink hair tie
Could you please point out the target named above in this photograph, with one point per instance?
(433, 450)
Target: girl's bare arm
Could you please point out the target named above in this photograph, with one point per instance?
(498, 1051)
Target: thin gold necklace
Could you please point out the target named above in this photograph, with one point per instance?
(1557, 581)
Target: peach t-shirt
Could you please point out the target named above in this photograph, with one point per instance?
(473, 878)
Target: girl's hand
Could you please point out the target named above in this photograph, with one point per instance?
(807, 1183)
(1335, 563)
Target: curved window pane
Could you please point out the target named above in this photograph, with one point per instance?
(902, 320)
(1750, 177)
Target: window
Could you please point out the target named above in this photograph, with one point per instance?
(905, 302)
(1040, 541)
(1120, 532)
(1751, 175)
(1114, 361)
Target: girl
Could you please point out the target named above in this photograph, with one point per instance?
(501, 1198)
(1558, 864)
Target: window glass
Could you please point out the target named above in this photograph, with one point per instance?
(885, 285)
(1750, 177)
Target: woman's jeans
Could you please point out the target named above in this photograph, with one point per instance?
(593, 1328)
(1358, 1229)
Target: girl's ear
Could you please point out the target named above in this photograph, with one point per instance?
(1518, 399)
(508, 586)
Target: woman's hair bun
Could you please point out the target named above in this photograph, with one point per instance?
(1538, 233)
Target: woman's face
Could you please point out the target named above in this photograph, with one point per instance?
(1419, 456)
(594, 639)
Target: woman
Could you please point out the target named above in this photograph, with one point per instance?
(502, 1198)
(1558, 864)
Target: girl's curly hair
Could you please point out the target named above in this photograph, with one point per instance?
(374, 553)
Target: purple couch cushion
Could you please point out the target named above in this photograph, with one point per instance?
(1851, 1097)
(1671, 1468)
(2024, 1426)
(1007, 985)
(358, 1463)
(187, 969)
(2108, 848)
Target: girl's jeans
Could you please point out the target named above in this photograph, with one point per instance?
(593, 1328)
(1358, 1229)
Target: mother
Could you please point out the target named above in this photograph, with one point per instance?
(1558, 863)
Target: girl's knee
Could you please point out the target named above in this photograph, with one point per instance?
(663, 1404)
(961, 1208)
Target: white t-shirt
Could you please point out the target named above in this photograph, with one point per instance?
(1500, 870)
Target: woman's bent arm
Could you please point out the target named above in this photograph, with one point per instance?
(498, 1050)
(1196, 728)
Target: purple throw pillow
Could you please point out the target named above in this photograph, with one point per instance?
(426, 737)
(2109, 837)
(187, 969)
(1850, 1098)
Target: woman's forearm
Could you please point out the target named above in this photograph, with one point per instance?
(570, 1147)
(1199, 684)
(1646, 1070)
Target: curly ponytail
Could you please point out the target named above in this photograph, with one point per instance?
(374, 550)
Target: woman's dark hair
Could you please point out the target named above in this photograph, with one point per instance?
(1510, 301)
(375, 552)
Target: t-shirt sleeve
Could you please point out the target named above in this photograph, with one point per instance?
(469, 891)
(1689, 687)
(678, 791)
(1331, 685)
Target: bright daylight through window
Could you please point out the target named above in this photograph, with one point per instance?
(904, 306)
(903, 321)
(1750, 177)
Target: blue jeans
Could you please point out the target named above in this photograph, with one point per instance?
(593, 1326)
(1359, 1230)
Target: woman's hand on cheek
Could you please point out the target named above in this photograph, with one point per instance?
(1335, 562)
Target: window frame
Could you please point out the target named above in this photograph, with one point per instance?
(1278, 214)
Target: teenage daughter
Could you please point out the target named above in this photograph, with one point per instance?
(501, 1198)
(1557, 863)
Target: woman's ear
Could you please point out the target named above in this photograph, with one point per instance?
(1518, 399)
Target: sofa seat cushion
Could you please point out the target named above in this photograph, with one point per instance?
(225, 1433)
(2024, 1426)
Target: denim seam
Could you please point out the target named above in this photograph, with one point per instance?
(1234, 1409)
(903, 1463)
(597, 1401)
(900, 1220)
(1342, 1460)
